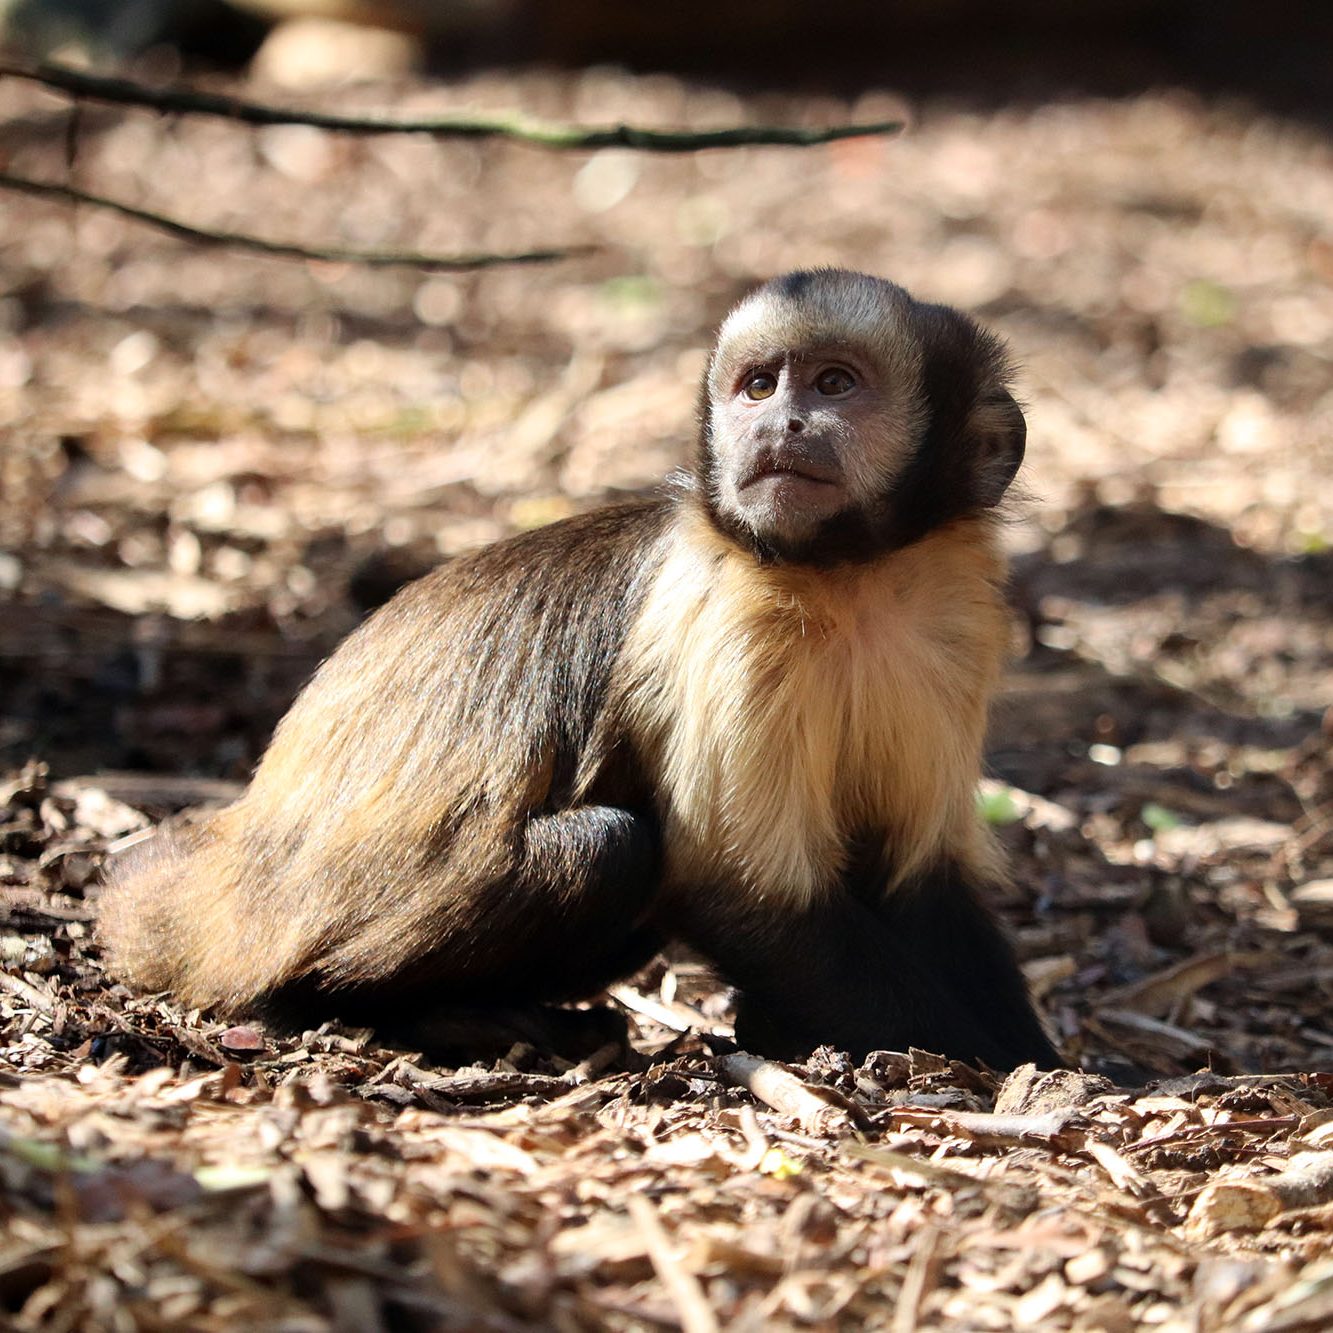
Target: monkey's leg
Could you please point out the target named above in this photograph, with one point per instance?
(927, 967)
(565, 922)
(957, 941)
(580, 897)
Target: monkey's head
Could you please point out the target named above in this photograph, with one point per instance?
(842, 419)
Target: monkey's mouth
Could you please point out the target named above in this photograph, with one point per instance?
(783, 470)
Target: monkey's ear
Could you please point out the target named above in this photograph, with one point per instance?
(999, 434)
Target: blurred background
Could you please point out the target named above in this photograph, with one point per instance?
(212, 464)
(982, 50)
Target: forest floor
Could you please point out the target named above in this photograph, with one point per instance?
(210, 464)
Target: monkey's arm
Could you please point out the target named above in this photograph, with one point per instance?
(925, 967)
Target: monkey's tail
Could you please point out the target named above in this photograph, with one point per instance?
(172, 917)
(141, 909)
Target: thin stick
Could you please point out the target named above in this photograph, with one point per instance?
(542, 134)
(776, 1086)
(26, 991)
(676, 1016)
(696, 1315)
(237, 240)
(917, 1281)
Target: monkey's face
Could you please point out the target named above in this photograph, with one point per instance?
(803, 434)
(843, 419)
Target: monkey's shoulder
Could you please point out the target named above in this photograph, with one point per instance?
(573, 553)
(489, 666)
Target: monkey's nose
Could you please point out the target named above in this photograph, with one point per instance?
(795, 426)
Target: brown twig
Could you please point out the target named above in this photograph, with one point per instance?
(696, 1315)
(776, 1086)
(500, 1086)
(26, 991)
(988, 1129)
(917, 1281)
(123, 92)
(237, 240)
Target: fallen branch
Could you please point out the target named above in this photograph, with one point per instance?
(1056, 1128)
(238, 240)
(494, 1087)
(676, 1016)
(776, 1086)
(1266, 1125)
(123, 92)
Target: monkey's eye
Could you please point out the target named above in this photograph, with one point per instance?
(834, 381)
(761, 385)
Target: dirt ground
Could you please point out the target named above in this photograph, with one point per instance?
(212, 464)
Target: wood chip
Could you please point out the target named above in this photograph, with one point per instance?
(1254, 1202)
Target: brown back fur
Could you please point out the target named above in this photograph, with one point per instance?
(391, 801)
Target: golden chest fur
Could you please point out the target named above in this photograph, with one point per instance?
(790, 710)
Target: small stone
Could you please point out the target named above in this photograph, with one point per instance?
(242, 1040)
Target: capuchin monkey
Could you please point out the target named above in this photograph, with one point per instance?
(746, 715)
